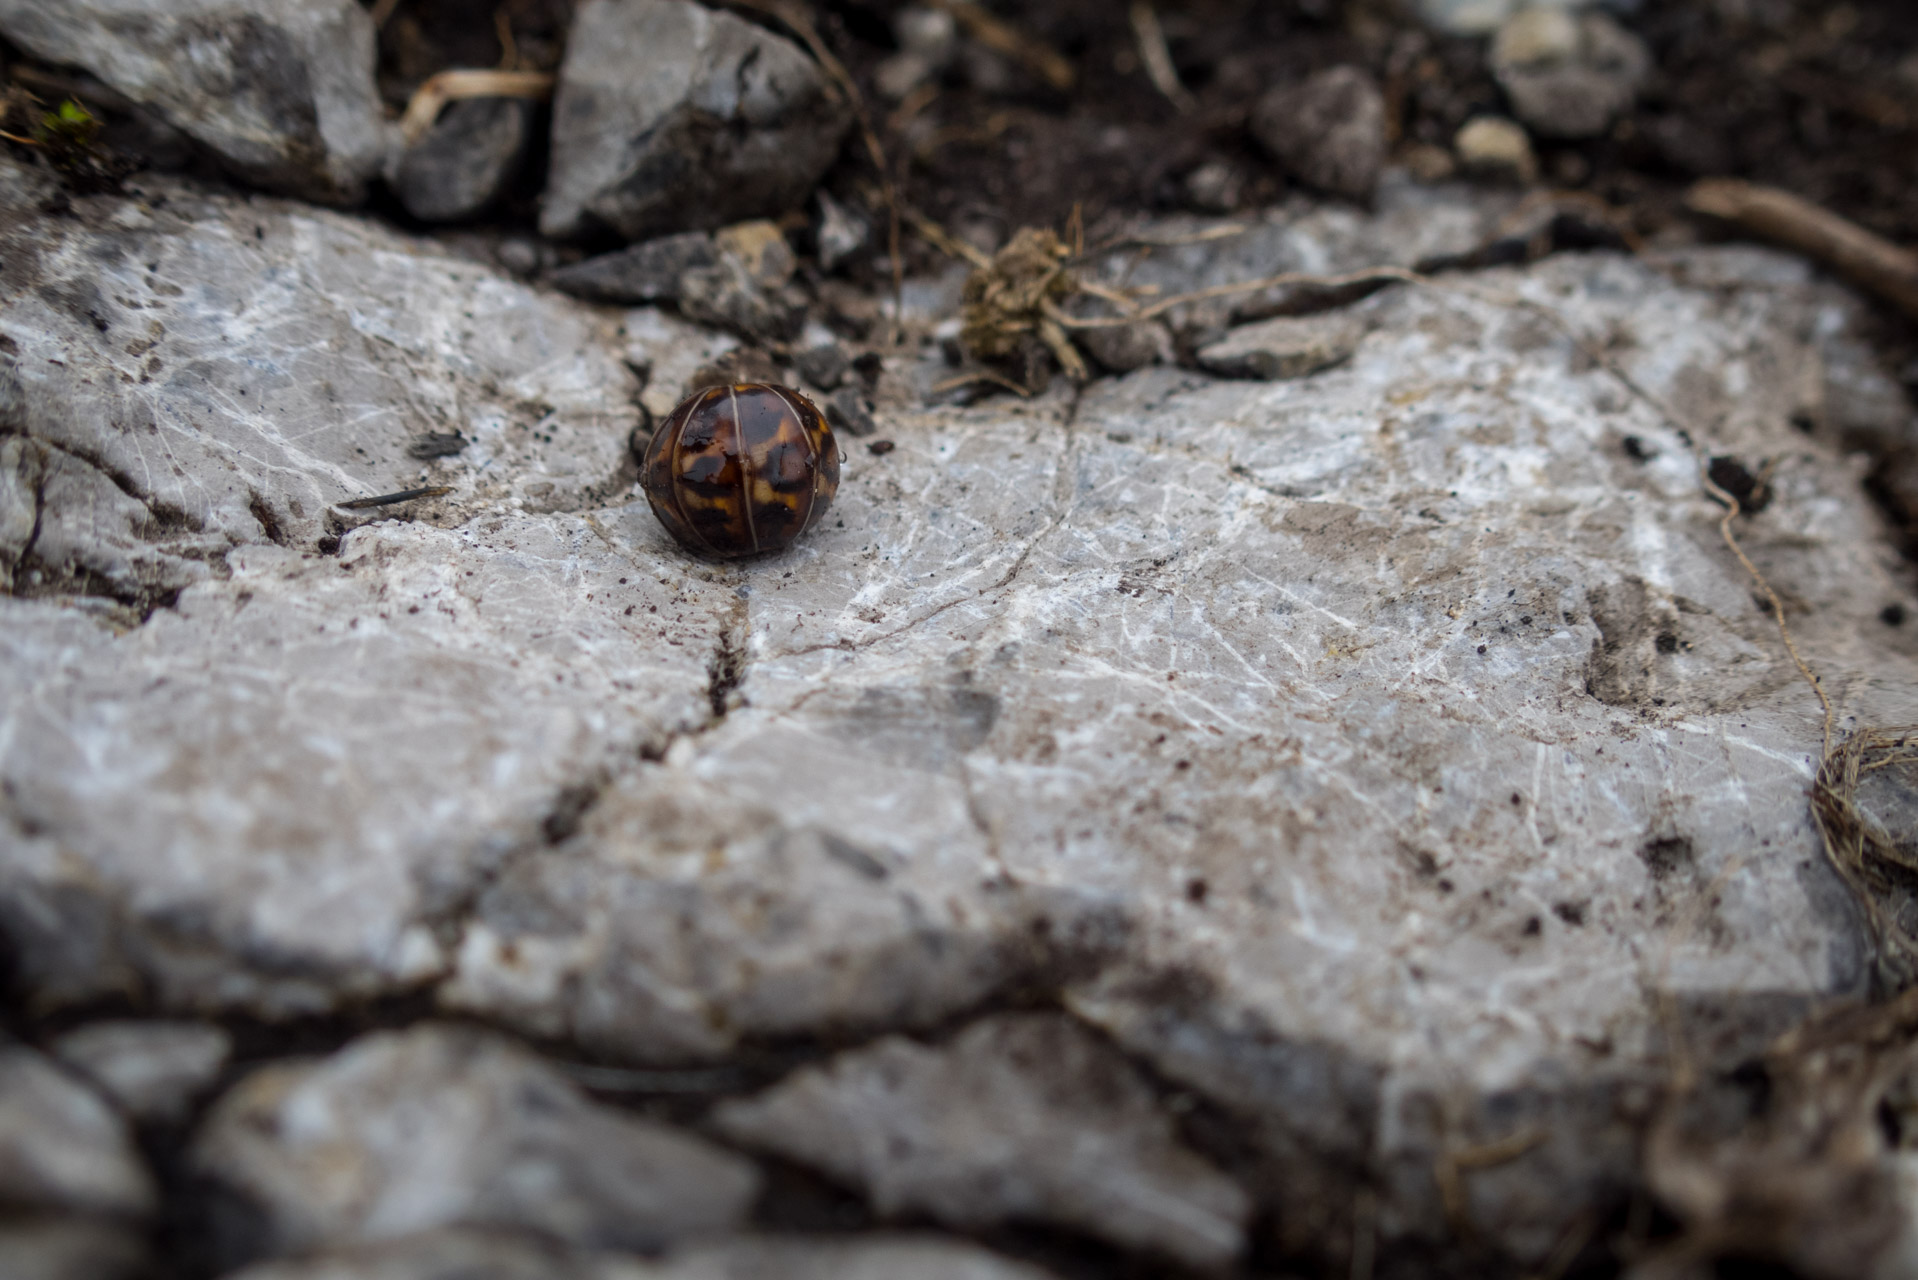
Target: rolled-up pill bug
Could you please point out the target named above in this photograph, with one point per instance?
(741, 469)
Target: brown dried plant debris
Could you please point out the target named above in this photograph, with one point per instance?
(1811, 1182)
(1879, 868)
(1015, 296)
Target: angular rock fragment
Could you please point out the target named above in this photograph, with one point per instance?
(281, 92)
(63, 1149)
(824, 366)
(839, 233)
(1328, 130)
(745, 289)
(451, 1254)
(153, 1070)
(1284, 347)
(467, 162)
(1020, 1118)
(63, 1248)
(649, 271)
(1568, 75)
(848, 411)
(473, 1255)
(1122, 348)
(670, 116)
(404, 1132)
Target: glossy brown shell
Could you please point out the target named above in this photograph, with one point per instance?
(741, 470)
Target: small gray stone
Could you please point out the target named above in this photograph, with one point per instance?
(1284, 347)
(928, 38)
(847, 411)
(468, 160)
(746, 287)
(1216, 186)
(1463, 17)
(1022, 1117)
(1568, 75)
(154, 1070)
(1124, 347)
(898, 75)
(280, 91)
(1328, 130)
(61, 1147)
(823, 366)
(523, 256)
(440, 1126)
(645, 272)
(70, 1249)
(1494, 147)
(840, 232)
(671, 116)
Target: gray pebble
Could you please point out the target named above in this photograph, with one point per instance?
(824, 367)
(468, 160)
(847, 412)
(649, 271)
(1328, 130)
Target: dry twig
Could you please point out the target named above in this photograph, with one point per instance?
(1867, 260)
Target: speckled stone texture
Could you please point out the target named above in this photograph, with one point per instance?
(280, 92)
(1386, 762)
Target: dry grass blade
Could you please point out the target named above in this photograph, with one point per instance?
(1862, 853)
(799, 17)
(448, 86)
(1157, 57)
(1003, 37)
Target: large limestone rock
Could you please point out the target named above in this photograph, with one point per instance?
(1390, 760)
(281, 91)
(673, 117)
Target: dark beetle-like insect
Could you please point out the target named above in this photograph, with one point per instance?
(741, 470)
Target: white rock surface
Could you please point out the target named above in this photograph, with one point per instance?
(670, 116)
(281, 91)
(405, 1132)
(1021, 1118)
(153, 1070)
(1167, 699)
(62, 1148)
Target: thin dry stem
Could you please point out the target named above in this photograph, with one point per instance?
(508, 47)
(449, 86)
(799, 17)
(1867, 260)
(1003, 37)
(1157, 58)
